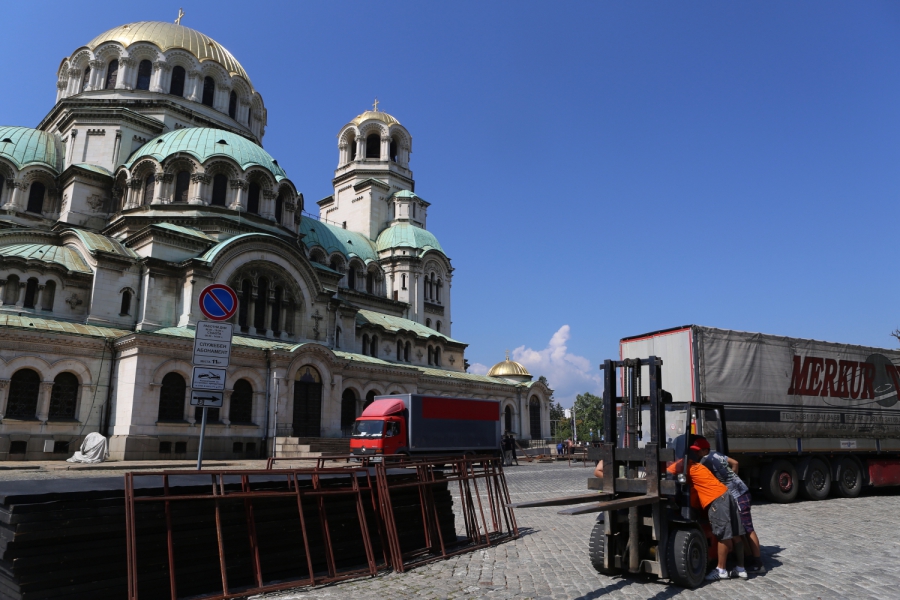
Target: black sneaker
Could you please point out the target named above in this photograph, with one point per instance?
(755, 566)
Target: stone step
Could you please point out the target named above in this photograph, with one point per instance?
(292, 448)
(297, 454)
(287, 440)
(327, 445)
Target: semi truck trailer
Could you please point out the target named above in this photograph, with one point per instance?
(805, 417)
(419, 424)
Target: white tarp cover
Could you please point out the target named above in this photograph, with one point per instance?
(93, 450)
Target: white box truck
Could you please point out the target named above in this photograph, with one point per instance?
(803, 416)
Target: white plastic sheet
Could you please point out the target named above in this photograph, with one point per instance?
(93, 450)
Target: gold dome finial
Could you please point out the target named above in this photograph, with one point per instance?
(375, 105)
(507, 356)
(180, 16)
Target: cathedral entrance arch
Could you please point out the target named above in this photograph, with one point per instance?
(508, 419)
(348, 411)
(307, 402)
(534, 417)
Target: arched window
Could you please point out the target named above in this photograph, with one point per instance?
(36, 198)
(11, 291)
(241, 410)
(31, 293)
(49, 295)
(86, 78)
(427, 322)
(171, 398)
(149, 189)
(438, 326)
(399, 350)
(145, 72)
(351, 277)
(507, 419)
(209, 91)
(370, 282)
(176, 87)
(276, 311)
(348, 411)
(244, 304)
(440, 286)
(534, 417)
(374, 347)
(307, 403)
(437, 357)
(370, 398)
(427, 289)
(393, 150)
(232, 105)
(253, 198)
(406, 352)
(403, 282)
(182, 185)
(112, 73)
(63, 396)
(262, 298)
(126, 304)
(373, 146)
(279, 207)
(337, 337)
(430, 355)
(220, 188)
(24, 387)
(365, 347)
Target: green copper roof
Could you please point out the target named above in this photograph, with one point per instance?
(337, 239)
(203, 143)
(100, 243)
(394, 324)
(28, 146)
(94, 168)
(404, 235)
(210, 255)
(60, 255)
(26, 322)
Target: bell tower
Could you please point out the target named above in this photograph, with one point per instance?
(373, 165)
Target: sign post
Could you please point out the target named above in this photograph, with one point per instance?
(212, 352)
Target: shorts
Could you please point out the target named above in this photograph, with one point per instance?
(744, 505)
(725, 517)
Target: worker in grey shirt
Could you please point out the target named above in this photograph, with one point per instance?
(725, 469)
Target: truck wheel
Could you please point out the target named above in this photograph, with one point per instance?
(597, 549)
(817, 484)
(848, 481)
(686, 557)
(779, 482)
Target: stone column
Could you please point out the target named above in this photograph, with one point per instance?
(282, 316)
(74, 86)
(243, 111)
(238, 199)
(4, 393)
(43, 408)
(123, 81)
(195, 86)
(269, 300)
(2, 288)
(385, 148)
(161, 189)
(133, 193)
(158, 78)
(251, 312)
(267, 210)
(221, 100)
(360, 147)
(197, 194)
(97, 75)
(20, 299)
(343, 154)
(226, 407)
(61, 89)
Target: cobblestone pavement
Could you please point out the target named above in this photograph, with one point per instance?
(838, 548)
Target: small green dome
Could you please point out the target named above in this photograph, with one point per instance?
(48, 253)
(404, 235)
(203, 143)
(25, 146)
(336, 239)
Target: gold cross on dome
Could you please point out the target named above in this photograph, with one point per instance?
(180, 16)
(507, 355)
(376, 105)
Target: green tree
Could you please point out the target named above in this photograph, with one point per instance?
(560, 427)
(588, 415)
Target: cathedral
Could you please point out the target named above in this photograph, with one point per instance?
(146, 182)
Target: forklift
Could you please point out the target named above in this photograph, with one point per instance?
(647, 524)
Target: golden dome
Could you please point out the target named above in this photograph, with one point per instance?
(377, 115)
(170, 35)
(508, 368)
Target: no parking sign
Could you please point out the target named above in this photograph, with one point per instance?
(218, 302)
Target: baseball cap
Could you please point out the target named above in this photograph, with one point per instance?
(700, 443)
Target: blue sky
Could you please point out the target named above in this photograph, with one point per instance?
(596, 169)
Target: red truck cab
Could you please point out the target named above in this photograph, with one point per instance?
(381, 429)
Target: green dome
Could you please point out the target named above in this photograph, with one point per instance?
(25, 146)
(203, 143)
(404, 235)
(47, 253)
(336, 239)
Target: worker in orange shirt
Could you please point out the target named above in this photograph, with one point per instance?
(724, 514)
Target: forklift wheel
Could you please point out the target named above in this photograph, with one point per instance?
(597, 549)
(686, 557)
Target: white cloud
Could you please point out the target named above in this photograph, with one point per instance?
(479, 369)
(568, 374)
